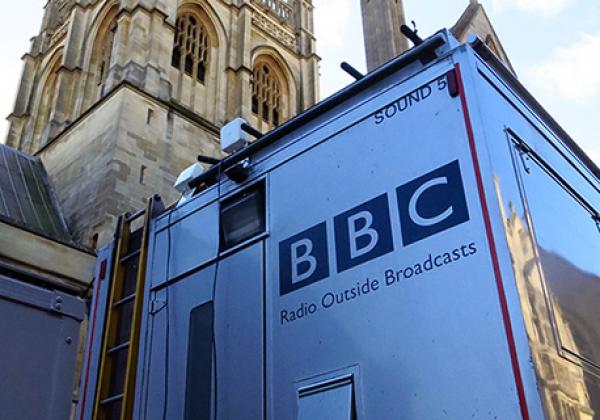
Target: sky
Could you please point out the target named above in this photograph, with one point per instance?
(554, 46)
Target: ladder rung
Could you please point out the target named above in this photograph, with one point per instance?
(116, 375)
(124, 300)
(133, 216)
(111, 399)
(117, 348)
(130, 256)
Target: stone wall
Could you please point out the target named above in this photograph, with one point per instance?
(114, 121)
(104, 166)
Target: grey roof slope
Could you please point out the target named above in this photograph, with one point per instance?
(26, 196)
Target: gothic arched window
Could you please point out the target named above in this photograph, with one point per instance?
(190, 49)
(106, 53)
(46, 105)
(266, 95)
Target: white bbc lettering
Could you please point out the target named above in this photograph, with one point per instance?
(412, 205)
(306, 257)
(366, 230)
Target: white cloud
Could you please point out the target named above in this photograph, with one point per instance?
(331, 21)
(338, 28)
(572, 72)
(533, 6)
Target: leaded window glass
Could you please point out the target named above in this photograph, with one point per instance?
(191, 47)
(266, 95)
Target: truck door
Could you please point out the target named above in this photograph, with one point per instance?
(206, 343)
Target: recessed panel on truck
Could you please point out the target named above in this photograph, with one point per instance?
(206, 342)
(547, 198)
(381, 268)
(569, 253)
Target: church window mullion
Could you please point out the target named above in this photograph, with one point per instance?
(266, 95)
(190, 52)
(106, 53)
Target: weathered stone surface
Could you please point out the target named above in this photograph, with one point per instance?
(475, 20)
(53, 262)
(381, 22)
(114, 121)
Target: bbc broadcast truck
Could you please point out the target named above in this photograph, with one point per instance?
(424, 244)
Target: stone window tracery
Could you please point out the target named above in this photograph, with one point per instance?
(47, 104)
(266, 95)
(191, 47)
(106, 53)
(63, 9)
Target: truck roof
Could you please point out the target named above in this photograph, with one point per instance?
(433, 49)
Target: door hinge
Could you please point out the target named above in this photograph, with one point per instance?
(157, 305)
(525, 155)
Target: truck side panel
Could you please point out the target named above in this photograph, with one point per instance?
(548, 200)
(195, 364)
(411, 265)
(381, 274)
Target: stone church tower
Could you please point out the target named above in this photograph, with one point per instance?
(117, 97)
(381, 23)
(382, 20)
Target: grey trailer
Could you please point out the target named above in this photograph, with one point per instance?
(43, 276)
(40, 331)
(424, 244)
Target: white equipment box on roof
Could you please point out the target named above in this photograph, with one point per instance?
(422, 245)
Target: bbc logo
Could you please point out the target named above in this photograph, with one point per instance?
(427, 205)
